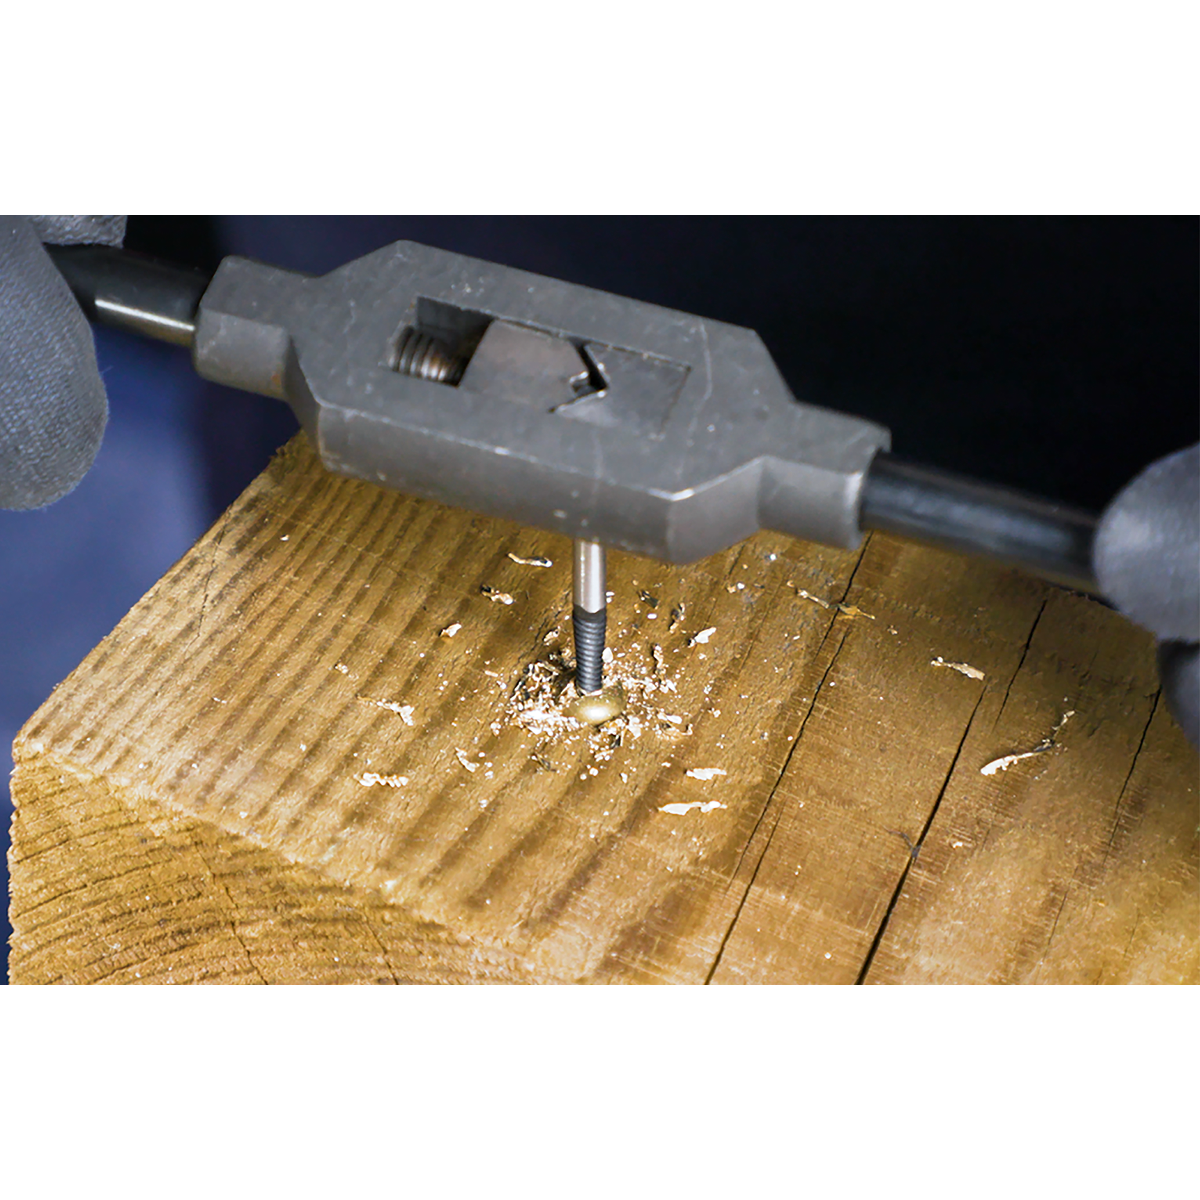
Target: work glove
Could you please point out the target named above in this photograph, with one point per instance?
(1147, 562)
(53, 408)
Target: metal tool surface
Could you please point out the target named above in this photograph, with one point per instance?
(563, 407)
(559, 406)
(589, 614)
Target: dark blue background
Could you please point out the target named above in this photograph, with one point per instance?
(1058, 355)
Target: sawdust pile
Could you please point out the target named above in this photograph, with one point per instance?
(541, 700)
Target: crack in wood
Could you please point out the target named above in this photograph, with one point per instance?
(1128, 776)
(1062, 905)
(912, 858)
(784, 769)
(234, 911)
(1024, 651)
(766, 807)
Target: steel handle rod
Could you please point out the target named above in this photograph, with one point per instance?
(130, 291)
(1053, 541)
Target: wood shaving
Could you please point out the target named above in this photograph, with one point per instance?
(962, 668)
(461, 755)
(671, 733)
(542, 697)
(403, 711)
(345, 670)
(370, 779)
(848, 610)
(809, 596)
(451, 630)
(679, 809)
(660, 661)
(1002, 764)
(701, 638)
(1047, 743)
(539, 698)
(844, 610)
(704, 772)
(538, 560)
(495, 595)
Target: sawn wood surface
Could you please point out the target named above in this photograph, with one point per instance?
(278, 768)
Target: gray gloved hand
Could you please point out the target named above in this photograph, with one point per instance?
(53, 408)
(1147, 561)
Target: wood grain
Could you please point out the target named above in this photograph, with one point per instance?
(276, 769)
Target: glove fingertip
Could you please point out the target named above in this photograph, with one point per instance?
(53, 407)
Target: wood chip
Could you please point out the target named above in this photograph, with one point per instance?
(451, 630)
(370, 779)
(701, 638)
(961, 667)
(495, 594)
(1002, 764)
(1048, 743)
(538, 560)
(809, 596)
(461, 755)
(843, 610)
(703, 805)
(848, 610)
(660, 660)
(403, 711)
(704, 772)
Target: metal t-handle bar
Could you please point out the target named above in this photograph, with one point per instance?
(131, 291)
(159, 300)
(1052, 541)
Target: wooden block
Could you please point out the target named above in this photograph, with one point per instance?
(277, 769)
